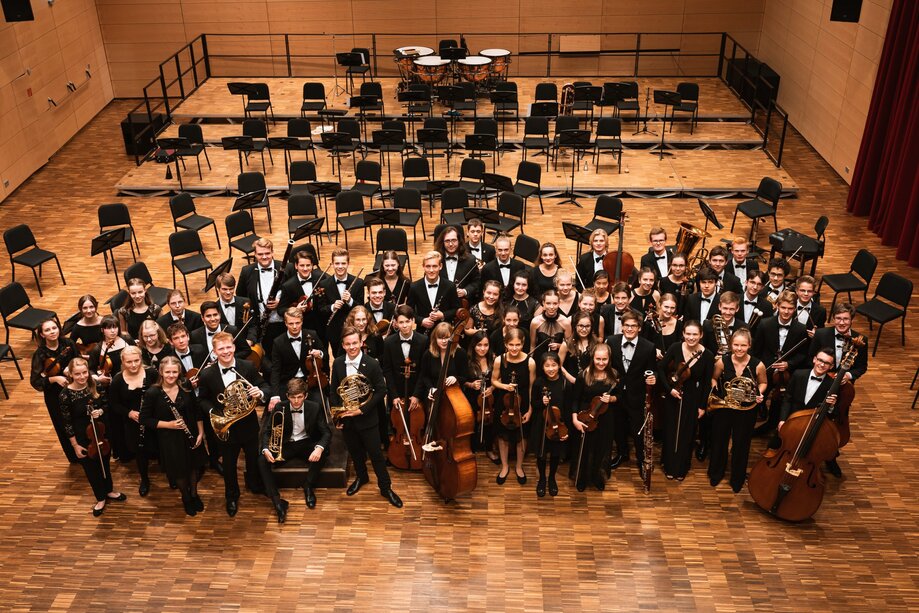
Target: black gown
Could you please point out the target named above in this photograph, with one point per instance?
(572, 309)
(134, 320)
(540, 283)
(521, 375)
(484, 438)
(65, 352)
(661, 341)
(598, 443)
(75, 406)
(734, 426)
(526, 308)
(86, 335)
(178, 458)
(429, 372)
(123, 400)
(120, 448)
(558, 390)
(680, 419)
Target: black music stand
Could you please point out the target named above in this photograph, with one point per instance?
(667, 98)
(621, 93)
(175, 145)
(221, 268)
(331, 114)
(499, 98)
(336, 143)
(579, 234)
(105, 243)
(453, 54)
(239, 144)
(710, 217)
(362, 103)
(241, 89)
(349, 60)
(309, 229)
(489, 218)
(380, 217)
(578, 141)
(481, 143)
(286, 144)
(409, 97)
(388, 141)
(248, 201)
(496, 182)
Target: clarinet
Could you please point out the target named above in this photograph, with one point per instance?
(141, 428)
(178, 416)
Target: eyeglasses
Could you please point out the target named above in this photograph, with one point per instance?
(824, 362)
(583, 326)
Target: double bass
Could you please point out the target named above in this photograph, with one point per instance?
(404, 450)
(619, 265)
(787, 482)
(447, 459)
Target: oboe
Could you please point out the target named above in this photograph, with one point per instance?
(178, 417)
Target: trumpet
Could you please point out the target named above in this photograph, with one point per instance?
(276, 440)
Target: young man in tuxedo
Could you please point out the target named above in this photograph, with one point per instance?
(359, 425)
(293, 349)
(305, 434)
(403, 350)
(342, 291)
(377, 305)
(778, 270)
(592, 261)
(243, 434)
(233, 309)
(195, 356)
(502, 267)
(612, 313)
(728, 305)
(204, 336)
(838, 335)
(304, 283)
(430, 291)
(808, 387)
(659, 256)
(177, 313)
(809, 311)
(755, 307)
(701, 305)
(255, 282)
(725, 281)
(631, 357)
(741, 264)
(458, 268)
(475, 246)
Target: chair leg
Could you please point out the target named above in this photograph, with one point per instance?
(185, 280)
(217, 236)
(173, 275)
(733, 221)
(877, 340)
(60, 270)
(35, 274)
(539, 195)
(198, 162)
(134, 237)
(3, 385)
(903, 330)
(206, 159)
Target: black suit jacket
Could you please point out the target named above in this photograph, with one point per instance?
(292, 292)
(371, 369)
(692, 308)
(492, 272)
(419, 301)
(585, 269)
(650, 260)
(210, 386)
(393, 363)
(631, 388)
(761, 303)
(317, 428)
(285, 362)
(467, 270)
(766, 342)
(730, 283)
(238, 308)
(826, 337)
(817, 315)
(199, 337)
(797, 390)
(193, 320)
(247, 279)
(488, 252)
(330, 294)
(389, 309)
(752, 264)
(198, 356)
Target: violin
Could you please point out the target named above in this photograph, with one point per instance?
(590, 417)
(405, 445)
(105, 361)
(486, 408)
(98, 446)
(316, 376)
(54, 366)
(619, 264)
(382, 327)
(511, 417)
(85, 349)
(556, 430)
(683, 370)
(787, 482)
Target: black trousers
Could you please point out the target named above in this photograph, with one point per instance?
(363, 443)
(290, 450)
(736, 427)
(101, 485)
(622, 426)
(230, 452)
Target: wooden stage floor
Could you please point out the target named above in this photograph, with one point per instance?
(686, 546)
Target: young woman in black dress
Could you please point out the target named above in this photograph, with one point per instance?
(517, 295)
(671, 330)
(125, 395)
(79, 401)
(137, 307)
(568, 297)
(511, 320)
(432, 361)
(486, 315)
(676, 283)
(644, 296)
(51, 357)
(359, 317)
(542, 276)
(512, 374)
(597, 381)
(86, 332)
(153, 343)
(393, 278)
(478, 389)
(683, 407)
(587, 303)
(550, 324)
(549, 390)
(104, 363)
(732, 424)
(173, 413)
(601, 287)
(576, 352)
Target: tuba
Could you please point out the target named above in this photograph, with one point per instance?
(739, 394)
(354, 390)
(721, 334)
(687, 237)
(237, 404)
(276, 440)
(567, 103)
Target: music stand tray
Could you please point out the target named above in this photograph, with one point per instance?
(667, 98)
(308, 229)
(245, 202)
(221, 268)
(578, 141)
(239, 144)
(105, 243)
(710, 217)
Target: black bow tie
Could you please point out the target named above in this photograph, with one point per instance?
(376, 310)
(660, 257)
(451, 257)
(293, 339)
(804, 308)
(209, 333)
(784, 326)
(706, 300)
(305, 281)
(182, 356)
(471, 248)
(345, 282)
(293, 410)
(226, 370)
(842, 337)
(504, 266)
(406, 342)
(736, 266)
(620, 313)
(228, 306)
(432, 286)
(598, 259)
(628, 344)
(813, 378)
(750, 302)
(266, 269)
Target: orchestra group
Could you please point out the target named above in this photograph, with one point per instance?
(564, 364)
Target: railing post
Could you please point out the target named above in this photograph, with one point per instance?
(165, 93)
(179, 76)
(287, 53)
(207, 57)
(373, 50)
(724, 41)
(194, 64)
(637, 53)
(548, 55)
(778, 162)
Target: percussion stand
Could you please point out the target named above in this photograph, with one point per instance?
(667, 98)
(644, 129)
(338, 90)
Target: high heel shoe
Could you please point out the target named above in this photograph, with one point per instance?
(500, 480)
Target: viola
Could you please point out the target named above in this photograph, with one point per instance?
(316, 376)
(590, 416)
(787, 482)
(840, 415)
(54, 366)
(683, 370)
(619, 264)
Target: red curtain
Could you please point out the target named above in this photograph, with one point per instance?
(885, 184)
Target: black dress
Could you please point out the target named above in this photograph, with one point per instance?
(429, 372)
(480, 320)
(519, 373)
(117, 426)
(571, 309)
(643, 303)
(178, 457)
(75, 408)
(134, 320)
(484, 438)
(153, 359)
(576, 362)
(123, 399)
(540, 283)
(661, 341)
(666, 286)
(542, 344)
(86, 335)
(398, 294)
(598, 443)
(680, 418)
(734, 425)
(65, 352)
(558, 390)
(526, 307)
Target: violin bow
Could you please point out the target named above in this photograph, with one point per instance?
(576, 273)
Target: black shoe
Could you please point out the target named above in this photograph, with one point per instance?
(701, 452)
(232, 508)
(190, 509)
(281, 509)
(118, 498)
(98, 512)
(581, 487)
(713, 481)
(218, 467)
(172, 485)
(541, 487)
(199, 504)
(522, 480)
(553, 487)
(500, 480)
(310, 497)
(495, 460)
(600, 484)
(355, 487)
(737, 488)
(144, 487)
(616, 461)
(393, 498)
(833, 468)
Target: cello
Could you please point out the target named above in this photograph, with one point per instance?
(404, 448)
(787, 481)
(620, 264)
(447, 459)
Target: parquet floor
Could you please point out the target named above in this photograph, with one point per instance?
(686, 546)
